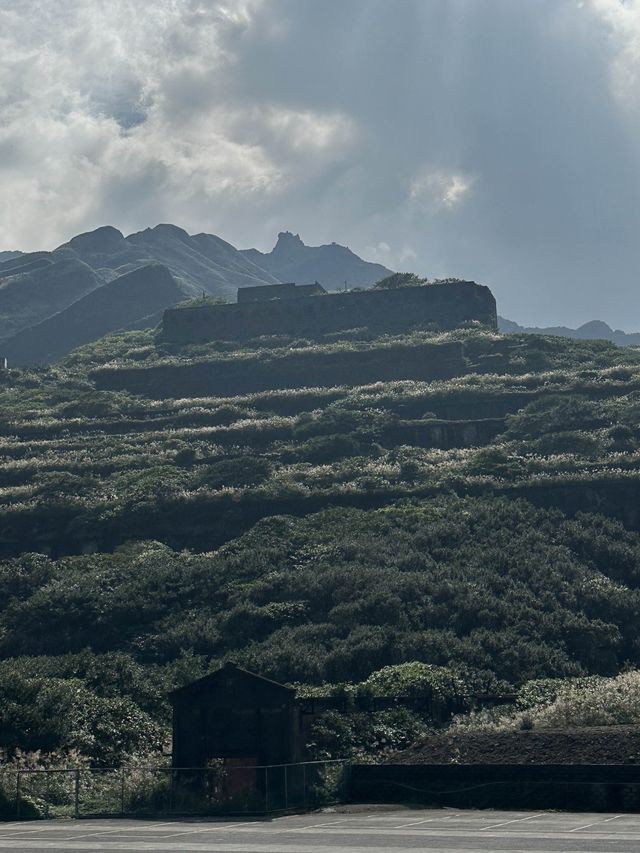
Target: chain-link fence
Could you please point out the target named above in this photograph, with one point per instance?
(220, 789)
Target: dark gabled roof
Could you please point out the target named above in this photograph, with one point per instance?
(226, 670)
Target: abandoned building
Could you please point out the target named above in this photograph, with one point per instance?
(250, 721)
(290, 309)
(288, 290)
(237, 716)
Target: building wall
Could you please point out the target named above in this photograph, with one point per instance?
(446, 305)
(238, 717)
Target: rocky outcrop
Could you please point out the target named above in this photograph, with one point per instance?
(332, 265)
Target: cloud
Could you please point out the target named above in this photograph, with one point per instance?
(440, 188)
(393, 257)
(113, 114)
(622, 22)
(483, 138)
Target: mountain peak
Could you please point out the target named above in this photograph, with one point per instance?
(160, 233)
(289, 237)
(332, 264)
(595, 329)
(287, 240)
(100, 241)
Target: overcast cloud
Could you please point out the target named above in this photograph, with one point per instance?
(490, 139)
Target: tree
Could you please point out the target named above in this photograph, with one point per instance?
(399, 279)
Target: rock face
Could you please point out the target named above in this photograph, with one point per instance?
(445, 305)
(332, 265)
(141, 294)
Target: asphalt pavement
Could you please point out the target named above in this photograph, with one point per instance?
(361, 830)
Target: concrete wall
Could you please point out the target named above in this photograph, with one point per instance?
(446, 305)
(519, 786)
(297, 369)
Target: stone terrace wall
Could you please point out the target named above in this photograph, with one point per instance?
(447, 305)
(296, 369)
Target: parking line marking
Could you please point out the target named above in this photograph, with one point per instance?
(316, 825)
(595, 823)
(211, 828)
(125, 830)
(426, 820)
(516, 820)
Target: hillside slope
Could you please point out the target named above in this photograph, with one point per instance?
(36, 286)
(136, 298)
(7, 256)
(471, 531)
(202, 262)
(332, 265)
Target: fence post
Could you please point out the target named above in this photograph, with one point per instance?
(346, 784)
(286, 786)
(18, 792)
(266, 790)
(122, 791)
(304, 785)
(77, 795)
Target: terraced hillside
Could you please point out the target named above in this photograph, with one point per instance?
(86, 469)
(317, 532)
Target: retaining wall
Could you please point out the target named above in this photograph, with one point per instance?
(577, 787)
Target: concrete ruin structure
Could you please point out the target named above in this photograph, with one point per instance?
(289, 309)
(287, 290)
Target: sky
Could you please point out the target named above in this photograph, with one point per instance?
(495, 140)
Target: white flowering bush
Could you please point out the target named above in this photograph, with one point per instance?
(556, 703)
(604, 702)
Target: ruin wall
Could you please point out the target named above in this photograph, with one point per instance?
(393, 311)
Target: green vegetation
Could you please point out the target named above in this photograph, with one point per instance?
(554, 703)
(458, 536)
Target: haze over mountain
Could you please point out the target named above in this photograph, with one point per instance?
(51, 302)
(332, 265)
(136, 299)
(594, 330)
(200, 261)
(36, 285)
(101, 281)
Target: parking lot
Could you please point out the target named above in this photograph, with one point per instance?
(352, 831)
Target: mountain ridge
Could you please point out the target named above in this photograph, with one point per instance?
(39, 289)
(117, 305)
(590, 331)
(331, 264)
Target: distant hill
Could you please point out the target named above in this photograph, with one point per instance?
(38, 288)
(595, 330)
(332, 265)
(200, 262)
(134, 299)
(38, 285)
